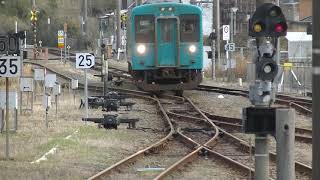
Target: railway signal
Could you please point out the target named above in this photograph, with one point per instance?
(34, 17)
(268, 21)
(267, 24)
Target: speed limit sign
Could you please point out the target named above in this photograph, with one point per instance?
(84, 60)
(10, 66)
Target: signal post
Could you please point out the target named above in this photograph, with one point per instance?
(262, 119)
(34, 20)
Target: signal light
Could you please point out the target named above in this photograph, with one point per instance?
(268, 21)
(275, 11)
(280, 27)
(266, 68)
(257, 28)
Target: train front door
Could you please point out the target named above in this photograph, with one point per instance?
(167, 42)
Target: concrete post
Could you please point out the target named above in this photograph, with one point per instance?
(106, 74)
(261, 157)
(285, 129)
(15, 122)
(1, 120)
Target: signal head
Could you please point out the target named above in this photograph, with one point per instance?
(268, 21)
(266, 69)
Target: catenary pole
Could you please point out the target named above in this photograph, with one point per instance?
(218, 33)
(118, 16)
(315, 90)
(85, 16)
(213, 48)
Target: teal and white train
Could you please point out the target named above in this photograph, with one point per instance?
(166, 46)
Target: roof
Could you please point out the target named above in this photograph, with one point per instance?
(298, 36)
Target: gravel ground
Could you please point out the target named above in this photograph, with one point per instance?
(209, 169)
(232, 106)
(87, 151)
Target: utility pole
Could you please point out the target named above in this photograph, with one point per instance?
(218, 32)
(118, 16)
(278, 41)
(213, 47)
(34, 30)
(85, 17)
(315, 90)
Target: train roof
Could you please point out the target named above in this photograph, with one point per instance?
(180, 7)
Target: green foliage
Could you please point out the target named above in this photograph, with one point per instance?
(18, 8)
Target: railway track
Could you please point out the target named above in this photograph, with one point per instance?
(197, 139)
(235, 124)
(113, 71)
(302, 171)
(211, 148)
(300, 104)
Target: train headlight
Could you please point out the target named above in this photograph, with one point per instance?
(141, 49)
(192, 48)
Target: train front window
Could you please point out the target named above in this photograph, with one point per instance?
(167, 28)
(144, 26)
(189, 28)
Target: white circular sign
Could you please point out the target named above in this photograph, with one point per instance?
(226, 29)
(226, 32)
(84, 60)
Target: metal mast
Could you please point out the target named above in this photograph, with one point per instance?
(315, 90)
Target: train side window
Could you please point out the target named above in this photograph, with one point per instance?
(189, 28)
(144, 27)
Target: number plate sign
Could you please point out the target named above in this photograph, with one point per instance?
(230, 47)
(226, 32)
(84, 60)
(10, 66)
(9, 44)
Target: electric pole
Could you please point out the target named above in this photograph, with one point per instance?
(218, 32)
(85, 16)
(34, 23)
(213, 46)
(118, 16)
(315, 90)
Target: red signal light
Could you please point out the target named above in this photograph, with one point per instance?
(280, 27)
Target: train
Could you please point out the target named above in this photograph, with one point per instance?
(165, 46)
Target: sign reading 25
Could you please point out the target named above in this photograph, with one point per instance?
(84, 60)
